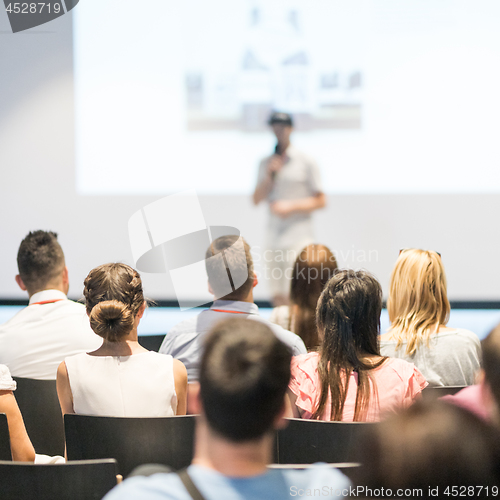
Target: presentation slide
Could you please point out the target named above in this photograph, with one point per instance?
(176, 95)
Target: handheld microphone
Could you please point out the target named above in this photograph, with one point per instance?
(277, 151)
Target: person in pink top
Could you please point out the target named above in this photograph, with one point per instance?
(348, 379)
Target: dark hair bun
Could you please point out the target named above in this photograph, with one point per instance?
(111, 320)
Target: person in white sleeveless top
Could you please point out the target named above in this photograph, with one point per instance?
(121, 378)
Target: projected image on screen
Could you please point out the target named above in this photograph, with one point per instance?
(387, 96)
(274, 70)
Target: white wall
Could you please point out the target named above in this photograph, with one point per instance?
(37, 191)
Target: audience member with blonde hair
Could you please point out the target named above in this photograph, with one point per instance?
(314, 266)
(348, 379)
(121, 378)
(419, 310)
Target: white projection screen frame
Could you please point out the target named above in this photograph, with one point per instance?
(115, 106)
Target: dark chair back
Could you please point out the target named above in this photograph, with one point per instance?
(85, 480)
(5, 453)
(131, 441)
(151, 342)
(309, 441)
(438, 392)
(39, 405)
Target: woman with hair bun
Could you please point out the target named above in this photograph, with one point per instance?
(419, 310)
(121, 378)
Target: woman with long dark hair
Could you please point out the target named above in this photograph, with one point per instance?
(348, 379)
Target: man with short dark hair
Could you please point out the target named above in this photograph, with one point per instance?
(231, 280)
(229, 266)
(38, 338)
(244, 376)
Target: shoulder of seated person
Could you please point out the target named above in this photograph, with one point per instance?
(5, 376)
(461, 332)
(137, 486)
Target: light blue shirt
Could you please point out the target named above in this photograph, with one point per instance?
(185, 340)
(320, 481)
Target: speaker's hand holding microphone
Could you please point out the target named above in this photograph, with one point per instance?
(275, 165)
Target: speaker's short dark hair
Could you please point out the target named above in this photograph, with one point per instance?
(244, 375)
(236, 262)
(279, 118)
(39, 259)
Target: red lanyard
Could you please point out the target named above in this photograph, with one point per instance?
(45, 302)
(228, 311)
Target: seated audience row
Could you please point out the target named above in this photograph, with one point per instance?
(428, 450)
(346, 376)
(243, 377)
(418, 310)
